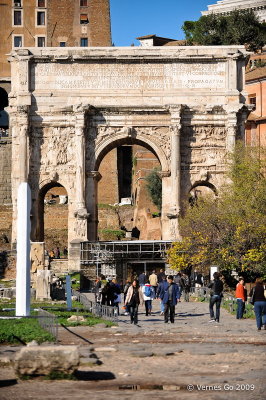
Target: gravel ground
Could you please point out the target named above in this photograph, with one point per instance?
(221, 361)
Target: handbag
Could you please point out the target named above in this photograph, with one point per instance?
(251, 301)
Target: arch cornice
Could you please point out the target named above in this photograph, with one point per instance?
(129, 135)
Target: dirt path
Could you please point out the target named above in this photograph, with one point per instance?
(221, 361)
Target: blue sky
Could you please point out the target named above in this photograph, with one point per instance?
(133, 18)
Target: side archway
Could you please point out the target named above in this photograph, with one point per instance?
(52, 212)
(201, 189)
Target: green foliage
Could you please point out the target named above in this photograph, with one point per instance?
(229, 231)
(104, 206)
(26, 329)
(58, 375)
(154, 187)
(112, 234)
(239, 27)
(249, 312)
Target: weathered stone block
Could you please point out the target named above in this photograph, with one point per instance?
(42, 360)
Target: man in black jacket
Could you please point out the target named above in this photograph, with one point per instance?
(216, 287)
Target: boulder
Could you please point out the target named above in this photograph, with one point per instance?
(42, 360)
(76, 318)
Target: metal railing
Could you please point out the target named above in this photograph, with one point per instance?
(48, 322)
(99, 310)
(200, 292)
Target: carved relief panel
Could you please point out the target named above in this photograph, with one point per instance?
(202, 145)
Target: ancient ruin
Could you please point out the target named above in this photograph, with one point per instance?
(69, 107)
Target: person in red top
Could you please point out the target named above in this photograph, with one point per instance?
(240, 298)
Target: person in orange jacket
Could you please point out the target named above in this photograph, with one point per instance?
(240, 298)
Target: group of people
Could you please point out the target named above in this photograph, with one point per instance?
(108, 292)
(56, 253)
(168, 290)
(257, 298)
(138, 294)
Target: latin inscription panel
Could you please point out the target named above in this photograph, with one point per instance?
(134, 76)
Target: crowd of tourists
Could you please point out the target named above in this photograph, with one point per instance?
(144, 289)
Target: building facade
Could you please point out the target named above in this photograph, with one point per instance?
(227, 6)
(256, 96)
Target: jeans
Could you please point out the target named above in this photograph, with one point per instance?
(133, 310)
(215, 299)
(240, 308)
(186, 294)
(260, 313)
(162, 306)
(169, 307)
(148, 306)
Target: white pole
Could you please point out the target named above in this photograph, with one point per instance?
(23, 250)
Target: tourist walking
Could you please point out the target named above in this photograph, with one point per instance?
(197, 279)
(142, 279)
(57, 252)
(126, 287)
(170, 298)
(259, 300)
(162, 287)
(240, 298)
(161, 276)
(185, 286)
(65, 252)
(216, 293)
(133, 300)
(116, 294)
(148, 295)
(153, 279)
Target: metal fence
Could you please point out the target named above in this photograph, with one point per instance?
(200, 292)
(99, 310)
(48, 322)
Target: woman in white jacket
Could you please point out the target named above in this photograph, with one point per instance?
(133, 300)
(149, 295)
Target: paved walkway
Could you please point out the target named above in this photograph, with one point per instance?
(221, 361)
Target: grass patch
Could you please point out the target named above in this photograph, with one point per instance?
(57, 375)
(112, 234)
(23, 329)
(8, 284)
(248, 313)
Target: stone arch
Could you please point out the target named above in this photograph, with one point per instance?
(3, 99)
(205, 185)
(44, 188)
(118, 140)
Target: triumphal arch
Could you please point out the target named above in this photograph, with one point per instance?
(69, 107)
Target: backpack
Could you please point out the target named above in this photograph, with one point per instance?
(147, 291)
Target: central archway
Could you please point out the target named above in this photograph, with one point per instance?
(130, 139)
(127, 139)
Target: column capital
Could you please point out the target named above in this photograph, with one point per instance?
(95, 175)
(175, 129)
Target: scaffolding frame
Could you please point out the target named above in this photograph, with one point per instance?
(135, 250)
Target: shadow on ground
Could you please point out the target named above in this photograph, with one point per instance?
(94, 376)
